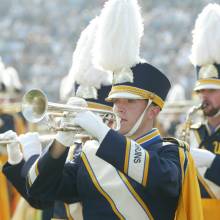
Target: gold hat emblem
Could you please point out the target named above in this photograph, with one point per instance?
(208, 71)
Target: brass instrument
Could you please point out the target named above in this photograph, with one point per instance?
(36, 107)
(188, 122)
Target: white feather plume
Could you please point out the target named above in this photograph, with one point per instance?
(177, 93)
(11, 79)
(206, 37)
(2, 66)
(66, 88)
(82, 70)
(118, 37)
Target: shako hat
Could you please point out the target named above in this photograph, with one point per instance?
(148, 83)
(10, 84)
(116, 49)
(205, 54)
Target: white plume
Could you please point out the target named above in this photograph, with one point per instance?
(2, 69)
(206, 37)
(66, 88)
(82, 54)
(82, 70)
(118, 36)
(10, 79)
(2, 66)
(177, 93)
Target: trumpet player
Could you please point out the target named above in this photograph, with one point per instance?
(205, 135)
(132, 173)
(73, 85)
(23, 148)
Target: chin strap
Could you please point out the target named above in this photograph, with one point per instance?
(217, 114)
(139, 121)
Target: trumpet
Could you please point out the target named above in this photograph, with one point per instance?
(35, 107)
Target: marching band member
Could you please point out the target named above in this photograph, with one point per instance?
(10, 119)
(205, 135)
(94, 91)
(31, 149)
(132, 173)
(10, 93)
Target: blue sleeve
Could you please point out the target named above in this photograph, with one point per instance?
(13, 174)
(212, 173)
(27, 165)
(52, 179)
(59, 211)
(158, 169)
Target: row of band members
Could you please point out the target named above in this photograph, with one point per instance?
(132, 173)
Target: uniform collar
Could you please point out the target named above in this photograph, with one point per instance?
(150, 137)
(217, 128)
(210, 129)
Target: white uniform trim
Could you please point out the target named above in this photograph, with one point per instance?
(206, 86)
(112, 184)
(215, 189)
(33, 173)
(124, 95)
(75, 210)
(136, 166)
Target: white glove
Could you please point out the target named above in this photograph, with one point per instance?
(202, 157)
(14, 152)
(66, 138)
(31, 145)
(93, 124)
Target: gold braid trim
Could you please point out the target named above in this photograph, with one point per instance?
(137, 91)
(208, 81)
(99, 106)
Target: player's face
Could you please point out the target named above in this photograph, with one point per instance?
(128, 110)
(211, 100)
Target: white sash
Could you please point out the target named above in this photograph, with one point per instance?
(212, 186)
(75, 210)
(112, 184)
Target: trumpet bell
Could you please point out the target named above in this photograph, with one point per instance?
(34, 105)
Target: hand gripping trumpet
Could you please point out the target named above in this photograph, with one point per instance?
(36, 107)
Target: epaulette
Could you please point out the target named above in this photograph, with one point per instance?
(180, 143)
(196, 125)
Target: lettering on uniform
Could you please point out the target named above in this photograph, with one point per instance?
(137, 154)
(136, 162)
(216, 145)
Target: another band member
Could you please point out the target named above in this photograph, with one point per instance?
(205, 136)
(10, 119)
